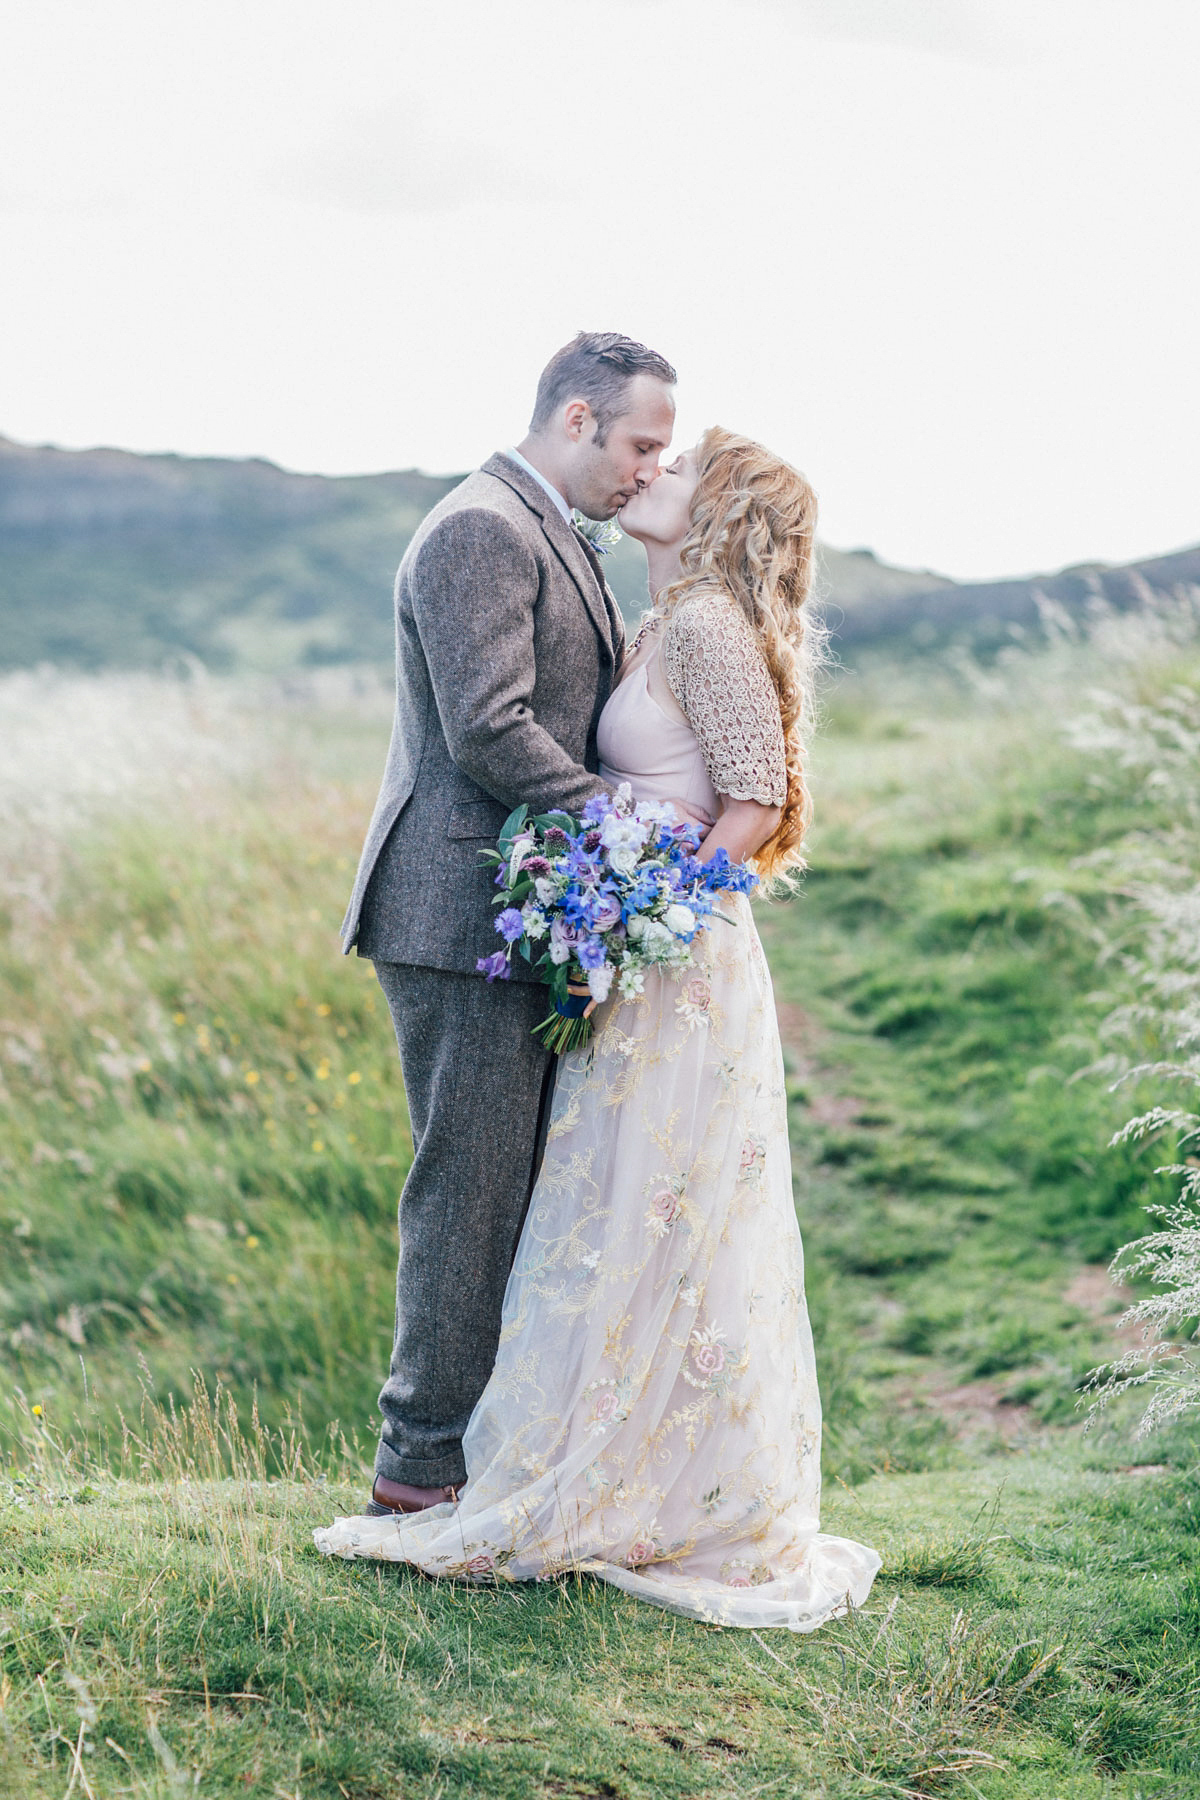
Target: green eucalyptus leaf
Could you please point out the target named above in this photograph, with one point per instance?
(511, 827)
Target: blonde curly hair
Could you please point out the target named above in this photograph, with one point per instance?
(752, 538)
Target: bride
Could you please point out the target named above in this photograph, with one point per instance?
(653, 1415)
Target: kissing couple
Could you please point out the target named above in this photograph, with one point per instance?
(602, 1356)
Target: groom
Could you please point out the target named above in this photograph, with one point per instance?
(508, 643)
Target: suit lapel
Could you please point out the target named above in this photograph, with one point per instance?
(616, 623)
(577, 558)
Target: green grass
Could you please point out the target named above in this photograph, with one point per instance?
(179, 1630)
(193, 1179)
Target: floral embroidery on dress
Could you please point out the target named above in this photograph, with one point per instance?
(609, 1408)
(753, 1157)
(666, 1204)
(694, 1002)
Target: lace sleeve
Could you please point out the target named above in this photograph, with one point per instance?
(716, 671)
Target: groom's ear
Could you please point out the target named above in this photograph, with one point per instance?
(576, 416)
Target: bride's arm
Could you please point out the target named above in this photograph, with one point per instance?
(742, 828)
(715, 668)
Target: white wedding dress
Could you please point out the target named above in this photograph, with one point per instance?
(653, 1416)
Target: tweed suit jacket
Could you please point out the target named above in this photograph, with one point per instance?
(508, 643)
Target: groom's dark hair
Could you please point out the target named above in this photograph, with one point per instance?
(596, 366)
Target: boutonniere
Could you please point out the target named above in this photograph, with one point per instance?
(601, 534)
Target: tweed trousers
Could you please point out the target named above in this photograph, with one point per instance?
(478, 1085)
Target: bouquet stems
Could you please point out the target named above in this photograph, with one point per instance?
(561, 1033)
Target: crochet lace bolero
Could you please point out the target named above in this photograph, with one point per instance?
(715, 668)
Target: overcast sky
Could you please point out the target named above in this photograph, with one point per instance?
(941, 253)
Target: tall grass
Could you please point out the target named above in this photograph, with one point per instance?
(203, 1132)
(1154, 1031)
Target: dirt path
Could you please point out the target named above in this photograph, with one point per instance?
(973, 1408)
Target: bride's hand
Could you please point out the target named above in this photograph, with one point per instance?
(692, 815)
(578, 987)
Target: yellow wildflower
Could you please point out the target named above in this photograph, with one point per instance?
(324, 1010)
(252, 1078)
(354, 1078)
(37, 1412)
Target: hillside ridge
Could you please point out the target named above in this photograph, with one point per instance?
(114, 558)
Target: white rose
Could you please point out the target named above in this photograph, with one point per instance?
(657, 941)
(680, 919)
(636, 927)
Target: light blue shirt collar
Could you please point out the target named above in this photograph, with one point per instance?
(553, 492)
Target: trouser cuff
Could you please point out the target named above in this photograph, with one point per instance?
(416, 1471)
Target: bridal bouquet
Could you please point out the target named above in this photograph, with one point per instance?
(602, 898)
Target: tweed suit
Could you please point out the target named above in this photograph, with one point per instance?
(507, 647)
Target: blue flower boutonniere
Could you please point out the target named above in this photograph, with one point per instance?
(601, 534)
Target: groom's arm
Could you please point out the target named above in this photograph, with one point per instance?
(473, 588)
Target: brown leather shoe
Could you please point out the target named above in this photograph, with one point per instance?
(398, 1497)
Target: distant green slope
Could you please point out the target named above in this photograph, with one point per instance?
(113, 560)
(109, 559)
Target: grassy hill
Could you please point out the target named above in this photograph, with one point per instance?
(202, 1140)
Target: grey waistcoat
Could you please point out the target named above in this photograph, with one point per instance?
(508, 643)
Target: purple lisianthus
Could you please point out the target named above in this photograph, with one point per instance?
(493, 966)
(590, 953)
(605, 912)
(597, 808)
(510, 925)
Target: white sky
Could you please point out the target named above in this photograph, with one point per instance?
(941, 253)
